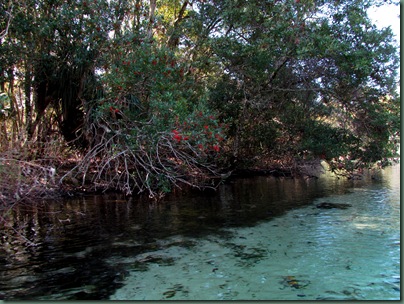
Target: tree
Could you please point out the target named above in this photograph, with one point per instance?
(153, 93)
(305, 64)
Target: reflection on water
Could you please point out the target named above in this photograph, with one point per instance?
(258, 238)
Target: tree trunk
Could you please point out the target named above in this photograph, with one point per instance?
(151, 19)
(175, 36)
(28, 105)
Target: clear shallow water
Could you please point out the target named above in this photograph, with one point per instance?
(256, 239)
(307, 253)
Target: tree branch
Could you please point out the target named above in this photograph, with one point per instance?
(4, 33)
(174, 38)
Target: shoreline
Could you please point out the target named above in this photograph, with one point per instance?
(44, 182)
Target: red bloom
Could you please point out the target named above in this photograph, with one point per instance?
(113, 110)
(116, 113)
(206, 127)
(216, 148)
(177, 137)
(218, 137)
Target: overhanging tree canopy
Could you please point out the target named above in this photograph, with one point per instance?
(281, 79)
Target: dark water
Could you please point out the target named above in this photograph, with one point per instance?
(93, 247)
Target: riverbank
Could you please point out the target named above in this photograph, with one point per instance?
(24, 180)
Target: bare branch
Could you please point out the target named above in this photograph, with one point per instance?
(4, 33)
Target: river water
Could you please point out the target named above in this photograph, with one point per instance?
(260, 238)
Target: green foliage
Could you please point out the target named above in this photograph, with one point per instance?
(5, 109)
(183, 85)
(326, 141)
(314, 72)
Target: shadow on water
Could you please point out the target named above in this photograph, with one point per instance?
(63, 250)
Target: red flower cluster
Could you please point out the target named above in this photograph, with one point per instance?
(218, 137)
(113, 110)
(207, 133)
(178, 137)
(215, 148)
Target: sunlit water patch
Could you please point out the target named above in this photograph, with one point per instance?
(308, 253)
